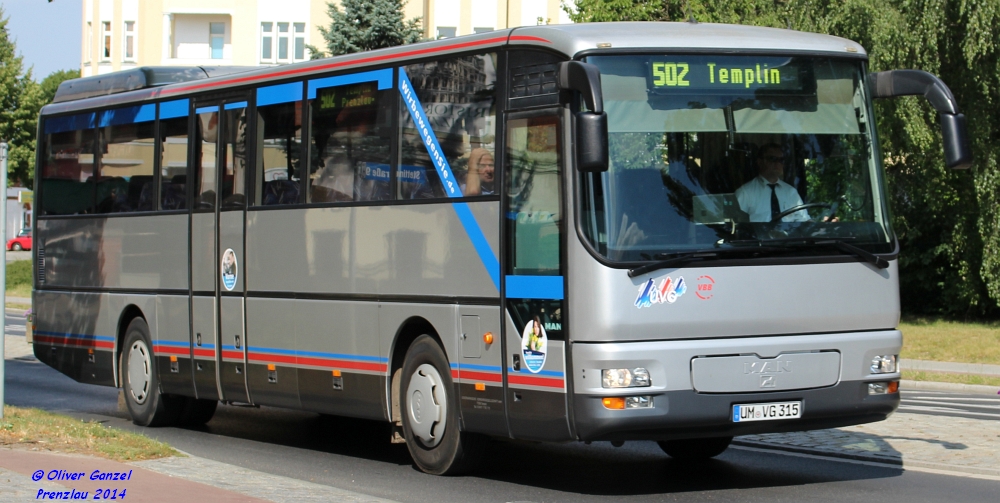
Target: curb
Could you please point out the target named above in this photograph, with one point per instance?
(972, 389)
(951, 367)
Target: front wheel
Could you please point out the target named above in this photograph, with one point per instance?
(16, 247)
(694, 449)
(430, 412)
(145, 403)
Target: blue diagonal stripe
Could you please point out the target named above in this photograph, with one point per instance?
(451, 186)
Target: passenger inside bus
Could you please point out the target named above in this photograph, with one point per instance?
(480, 180)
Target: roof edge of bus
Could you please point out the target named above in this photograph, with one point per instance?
(138, 78)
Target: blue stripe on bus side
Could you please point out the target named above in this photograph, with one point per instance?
(233, 106)
(206, 110)
(534, 287)
(128, 115)
(281, 93)
(292, 352)
(174, 109)
(451, 187)
(69, 123)
(547, 373)
(383, 77)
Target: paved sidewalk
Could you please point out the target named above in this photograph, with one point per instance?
(957, 368)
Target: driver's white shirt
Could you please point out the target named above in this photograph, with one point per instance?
(754, 198)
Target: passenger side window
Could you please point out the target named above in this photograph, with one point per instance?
(67, 161)
(173, 162)
(279, 144)
(234, 141)
(458, 97)
(125, 172)
(534, 190)
(207, 133)
(350, 143)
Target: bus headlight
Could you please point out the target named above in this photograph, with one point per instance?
(883, 364)
(625, 378)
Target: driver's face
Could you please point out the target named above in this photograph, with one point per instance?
(771, 165)
(486, 168)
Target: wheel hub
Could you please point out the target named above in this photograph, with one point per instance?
(139, 371)
(427, 405)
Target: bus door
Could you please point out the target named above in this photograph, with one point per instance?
(217, 239)
(534, 288)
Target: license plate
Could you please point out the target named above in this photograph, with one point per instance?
(766, 411)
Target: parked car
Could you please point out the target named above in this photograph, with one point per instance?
(21, 242)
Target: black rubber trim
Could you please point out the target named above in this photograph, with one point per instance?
(125, 291)
(415, 299)
(379, 203)
(719, 52)
(113, 215)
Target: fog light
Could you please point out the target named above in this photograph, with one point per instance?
(638, 402)
(878, 388)
(884, 364)
(625, 378)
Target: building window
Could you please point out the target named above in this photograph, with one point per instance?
(300, 41)
(217, 33)
(266, 42)
(106, 39)
(446, 32)
(129, 40)
(282, 41)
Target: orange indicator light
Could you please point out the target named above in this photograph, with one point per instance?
(90, 351)
(336, 373)
(270, 366)
(894, 387)
(614, 403)
(488, 337)
(173, 358)
(480, 386)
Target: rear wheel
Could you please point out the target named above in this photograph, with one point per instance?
(430, 412)
(693, 449)
(145, 403)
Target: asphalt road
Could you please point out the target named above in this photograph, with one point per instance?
(356, 455)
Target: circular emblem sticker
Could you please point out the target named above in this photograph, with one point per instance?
(229, 269)
(534, 344)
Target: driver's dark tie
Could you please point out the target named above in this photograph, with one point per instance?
(775, 207)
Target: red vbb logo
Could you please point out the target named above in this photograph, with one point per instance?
(704, 287)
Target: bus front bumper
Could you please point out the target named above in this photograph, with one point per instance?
(690, 400)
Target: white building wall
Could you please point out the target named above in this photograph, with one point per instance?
(446, 13)
(192, 39)
(484, 14)
(532, 10)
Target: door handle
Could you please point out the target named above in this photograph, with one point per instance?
(517, 362)
(237, 342)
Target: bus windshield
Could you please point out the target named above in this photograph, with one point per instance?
(734, 152)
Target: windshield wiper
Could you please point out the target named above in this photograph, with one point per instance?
(841, 244)
(688, 257)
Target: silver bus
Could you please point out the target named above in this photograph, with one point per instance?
(601, 232)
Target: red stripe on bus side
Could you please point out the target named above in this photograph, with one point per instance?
(547, 382)
(341, 364)
(477, 376)
(73, 342)
(204, 352)
(168, 350)
(235, 355)
(348, 64)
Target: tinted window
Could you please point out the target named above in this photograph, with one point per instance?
(67, 166)
(279, 152)
(458, 98)
(207, 130)
(173, 163)
(125, 171)
(350, 144)
(234, 143)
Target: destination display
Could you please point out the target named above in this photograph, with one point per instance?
(340, 97)
(700, 74)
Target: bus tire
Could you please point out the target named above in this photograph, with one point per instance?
(145, 403)
(429, 410)
(197, 412)
(694, 449)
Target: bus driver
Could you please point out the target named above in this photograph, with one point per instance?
(767, 195)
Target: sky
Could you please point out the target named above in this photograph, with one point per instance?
(47, 34)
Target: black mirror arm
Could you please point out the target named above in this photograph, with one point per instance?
(913, 83)
(584, 78)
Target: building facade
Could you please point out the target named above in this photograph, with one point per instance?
(122, 34)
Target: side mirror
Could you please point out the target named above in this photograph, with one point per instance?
(957, 152)
(591, 128)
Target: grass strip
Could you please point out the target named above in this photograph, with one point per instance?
(950, 341)
(20, 307)
(42, 430)
(919, 375)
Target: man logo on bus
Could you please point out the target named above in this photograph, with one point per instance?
(229, 269)
(667, 293)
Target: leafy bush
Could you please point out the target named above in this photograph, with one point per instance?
(19, 273)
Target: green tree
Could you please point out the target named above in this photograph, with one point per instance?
(20, 101)
(51, 83)
(364, 25)
(948, 222)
